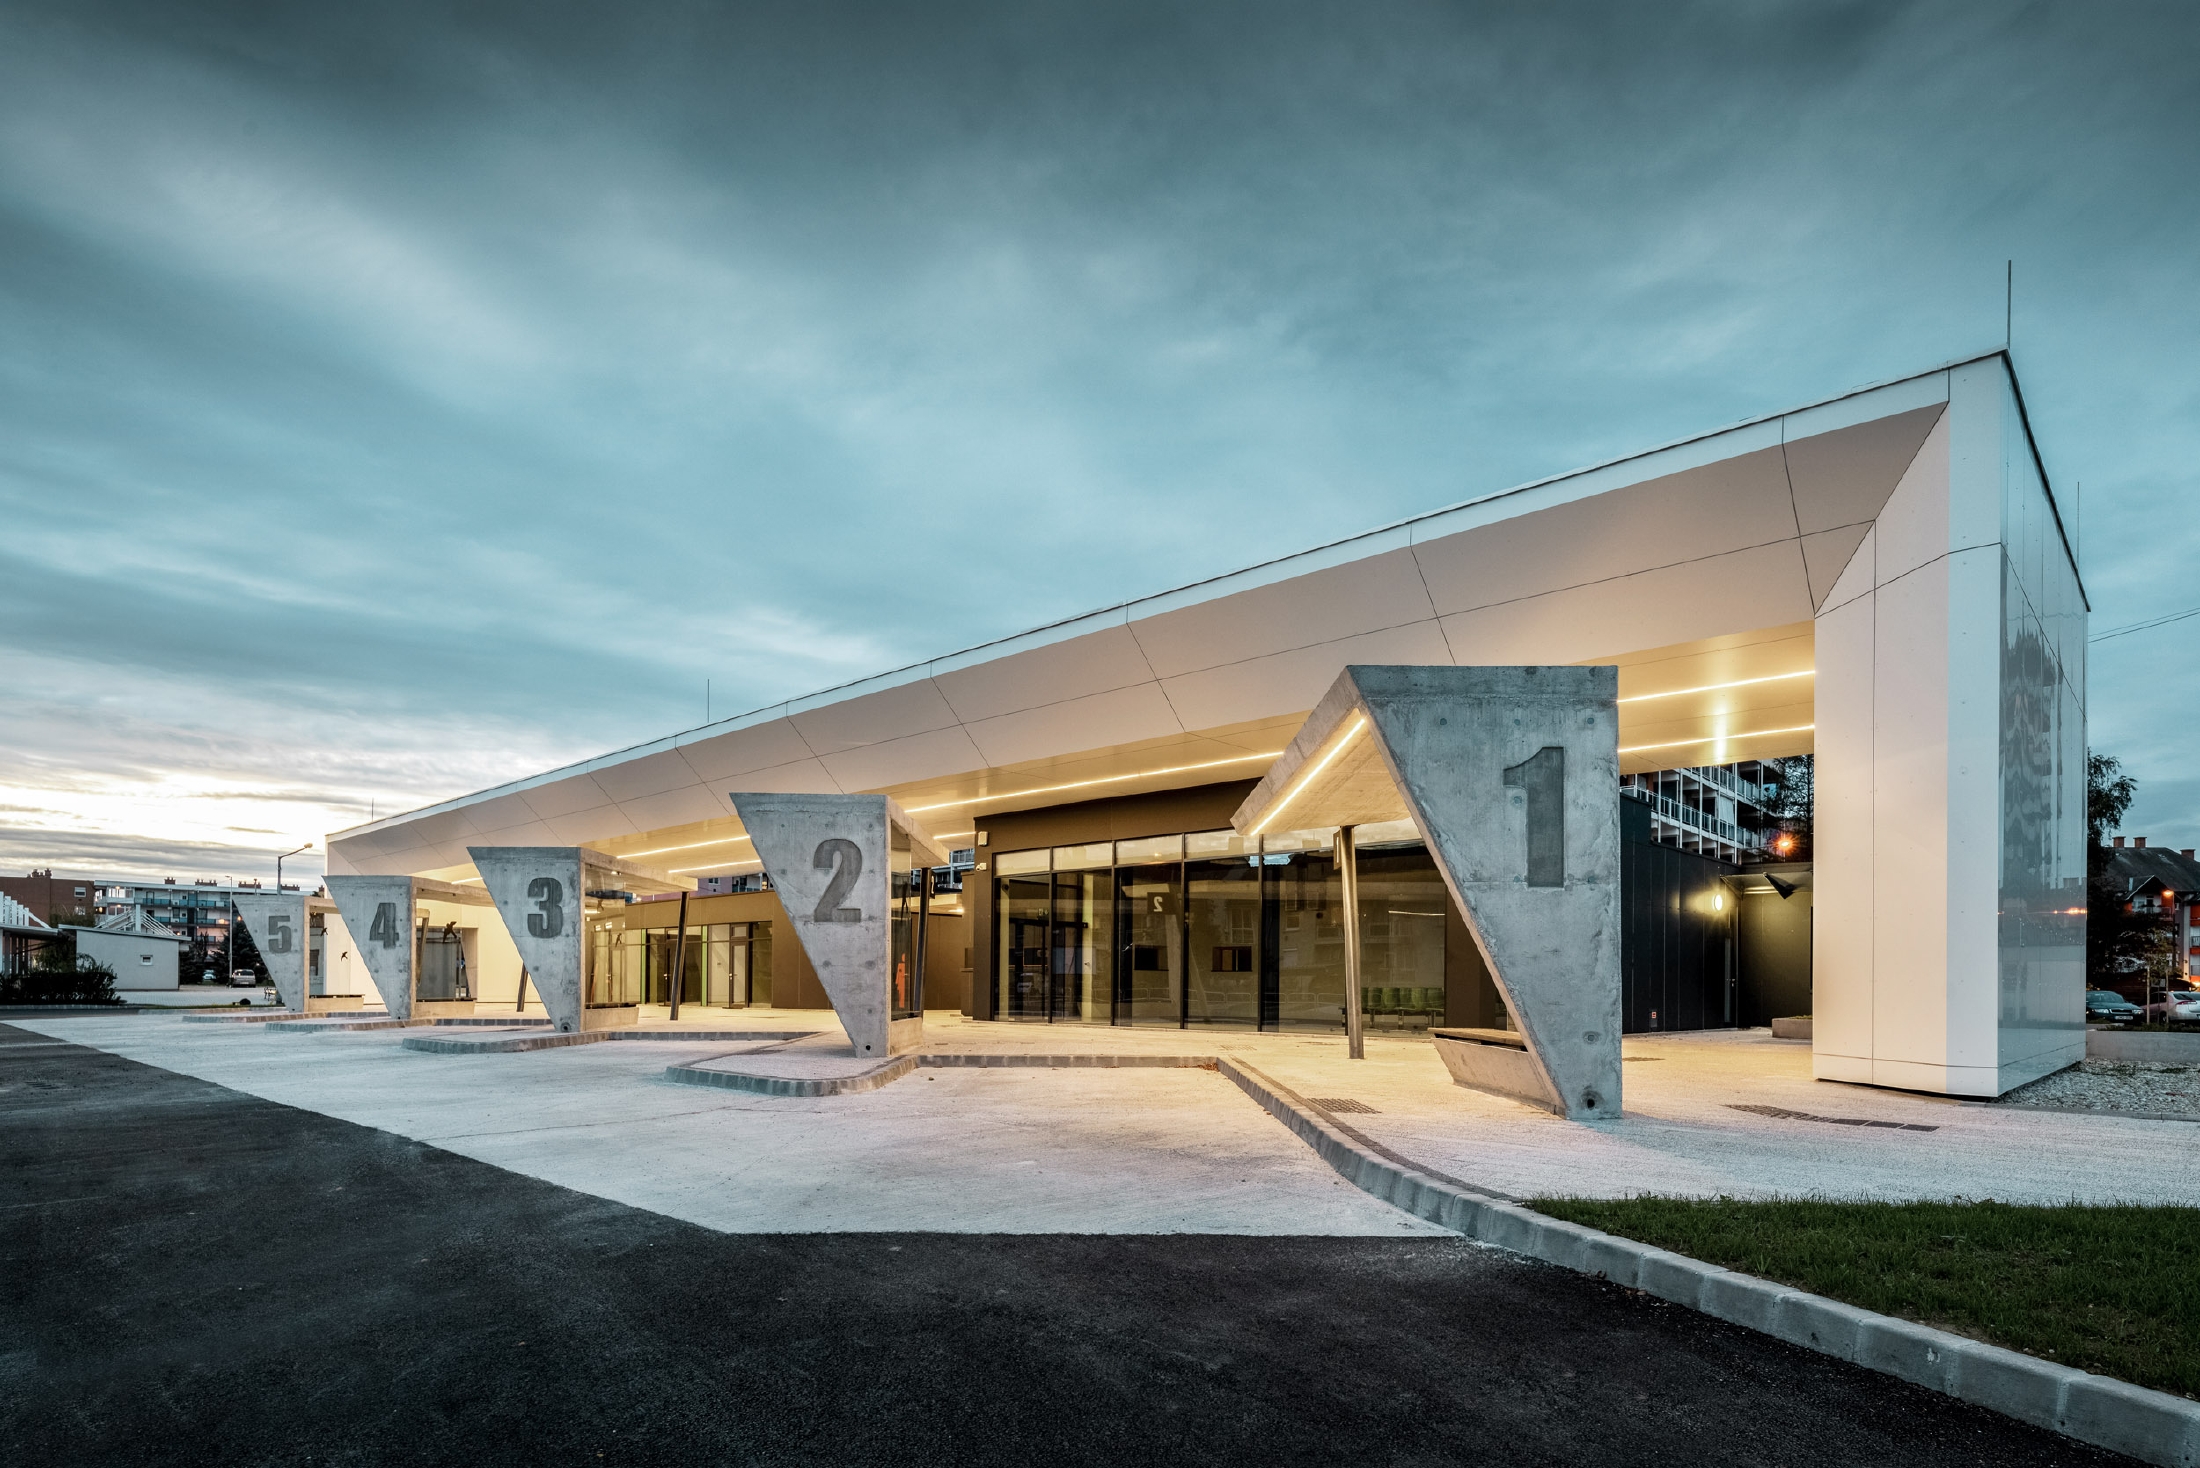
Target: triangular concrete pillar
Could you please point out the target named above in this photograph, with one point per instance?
(542, 894)
(1511, 775)
(277, 923)
(829, 857)
(379, 913)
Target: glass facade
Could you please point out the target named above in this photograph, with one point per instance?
(439, 958)
(726, 964)
(909, 890)
(1217, 929)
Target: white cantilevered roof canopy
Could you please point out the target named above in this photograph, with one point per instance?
(1697, 568)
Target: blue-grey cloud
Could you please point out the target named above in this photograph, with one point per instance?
(396, 398)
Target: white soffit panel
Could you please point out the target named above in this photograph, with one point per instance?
(498, 812)
(718, 757)
(652, 774)
(1859, 576)
(1324, 607)
(564, 797)
(892, 761)
(586, 828)
(1727, 506)
(1121, 717)
(1099, 662)
(911, 708)
(1826, 554)
(1759, 587)
(1844, 477)
(675, 807)
(1291, 682)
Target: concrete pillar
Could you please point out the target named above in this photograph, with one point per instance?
(539, 895)
(379, 913)
(277, 923)
(829, 857)
(1511, 775)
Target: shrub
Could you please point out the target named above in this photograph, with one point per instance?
(58, 976)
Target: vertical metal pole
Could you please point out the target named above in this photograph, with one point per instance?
(1348, 869)
(923, 876)
(521, 1005)
(679, 957)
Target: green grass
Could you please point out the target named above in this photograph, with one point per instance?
(2114, 1290)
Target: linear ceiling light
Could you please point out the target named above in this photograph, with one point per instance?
(1358, 723)
(1717, 738)
(1715, 687)
(918, 810)
(691, 846)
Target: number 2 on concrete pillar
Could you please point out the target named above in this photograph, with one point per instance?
(846, 858)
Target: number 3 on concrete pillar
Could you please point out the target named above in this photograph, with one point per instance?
(548, 918)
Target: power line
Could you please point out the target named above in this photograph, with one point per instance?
(2143, 626)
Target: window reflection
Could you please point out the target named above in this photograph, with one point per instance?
(1213, 928)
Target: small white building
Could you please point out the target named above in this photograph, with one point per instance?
(143, 954)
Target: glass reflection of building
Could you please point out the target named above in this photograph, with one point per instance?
(726, 964)
(909, 890)
(1212, 928)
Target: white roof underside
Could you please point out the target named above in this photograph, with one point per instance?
(1703, 561)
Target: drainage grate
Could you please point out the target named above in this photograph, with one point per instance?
(1343, 1103)
(1783, 1114)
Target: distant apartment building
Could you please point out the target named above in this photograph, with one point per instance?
(53, 899)
(1719, 811)
(199, 912)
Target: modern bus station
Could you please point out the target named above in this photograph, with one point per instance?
(1473, 784)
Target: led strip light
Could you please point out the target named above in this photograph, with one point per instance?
(1359, 722)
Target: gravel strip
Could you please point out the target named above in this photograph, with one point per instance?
(2130, 1087)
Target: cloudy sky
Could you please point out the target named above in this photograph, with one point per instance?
(397, 400)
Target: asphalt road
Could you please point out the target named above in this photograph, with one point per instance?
(192, 1275)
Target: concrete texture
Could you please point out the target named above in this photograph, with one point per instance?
(414, 1328)
(539, 894)
(277, 922)
(1485, 1061)
(967, 1149)
(1511, 775)
(828, 857)
(2168, 1047)
(378, 912)
(1737, 1113)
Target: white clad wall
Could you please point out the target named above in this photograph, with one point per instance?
(1935, 766)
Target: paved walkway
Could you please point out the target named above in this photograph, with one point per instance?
(1150, 1150)
(957, 1151)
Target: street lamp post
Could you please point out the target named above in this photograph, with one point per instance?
(279, 866)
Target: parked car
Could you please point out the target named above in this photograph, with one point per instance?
(2181, 1004)
(243, 978)
(2105, 1005)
